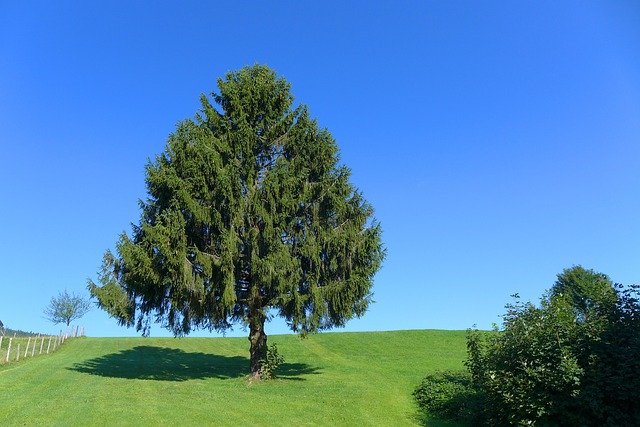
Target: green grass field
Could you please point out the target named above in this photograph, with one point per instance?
(327, 379)
(23, 346)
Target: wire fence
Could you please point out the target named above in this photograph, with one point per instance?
(15, 348)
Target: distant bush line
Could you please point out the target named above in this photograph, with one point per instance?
(19, 333)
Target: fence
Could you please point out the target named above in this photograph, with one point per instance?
(14, 348)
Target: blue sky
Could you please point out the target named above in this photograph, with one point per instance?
(497, 141)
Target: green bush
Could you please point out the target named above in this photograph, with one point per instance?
(528, 371)
(449, 395)
(610, 388)
(271, 363)
(573, 360)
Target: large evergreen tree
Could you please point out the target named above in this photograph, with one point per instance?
(248, 213)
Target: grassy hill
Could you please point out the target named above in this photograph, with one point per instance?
(328, 379)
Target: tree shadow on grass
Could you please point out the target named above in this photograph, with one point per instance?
(163, 364)
(429, 421)
(172, 364)
(292, 371)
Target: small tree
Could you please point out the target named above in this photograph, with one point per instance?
(66, 307)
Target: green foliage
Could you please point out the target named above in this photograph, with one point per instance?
(66, 307)
(271, 363)
(475, 358)
(574, 360)
(590, 294)
(248, 212)
(450, 396)
(530, 365)
(610, 389)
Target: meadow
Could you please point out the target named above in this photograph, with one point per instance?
(15, 347)
(327, 379)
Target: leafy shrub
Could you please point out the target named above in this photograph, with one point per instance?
(528, 372)
(574, 360)
(610, 389)
(449, 395)
(271, 363)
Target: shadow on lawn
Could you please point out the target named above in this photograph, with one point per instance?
(172, 364)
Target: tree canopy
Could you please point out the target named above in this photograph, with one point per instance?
(586, 291)
(66, 307)
(248, 213)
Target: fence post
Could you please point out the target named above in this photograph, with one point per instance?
(49, 345)
(1, 336)
(41, 344)
(18, 353)
(26, 350)
(9, 349)
(33, 349)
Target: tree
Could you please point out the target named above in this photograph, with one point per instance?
(66, 307)
(248, 215)
(588, 292)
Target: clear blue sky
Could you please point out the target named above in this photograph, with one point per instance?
(497, 141)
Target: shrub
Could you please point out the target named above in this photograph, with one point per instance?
(573, 360)
(610, 389)
(528, 372)
(271, 363)
(449, 395)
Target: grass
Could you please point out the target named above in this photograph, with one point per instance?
(24, 343)
(327, 379)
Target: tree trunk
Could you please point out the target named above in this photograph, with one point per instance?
(258, 340)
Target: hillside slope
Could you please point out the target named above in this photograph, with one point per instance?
(328, 379)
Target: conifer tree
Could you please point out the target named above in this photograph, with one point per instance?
(248, 214)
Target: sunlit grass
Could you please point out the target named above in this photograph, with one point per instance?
(327, 379)
(15, 348)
